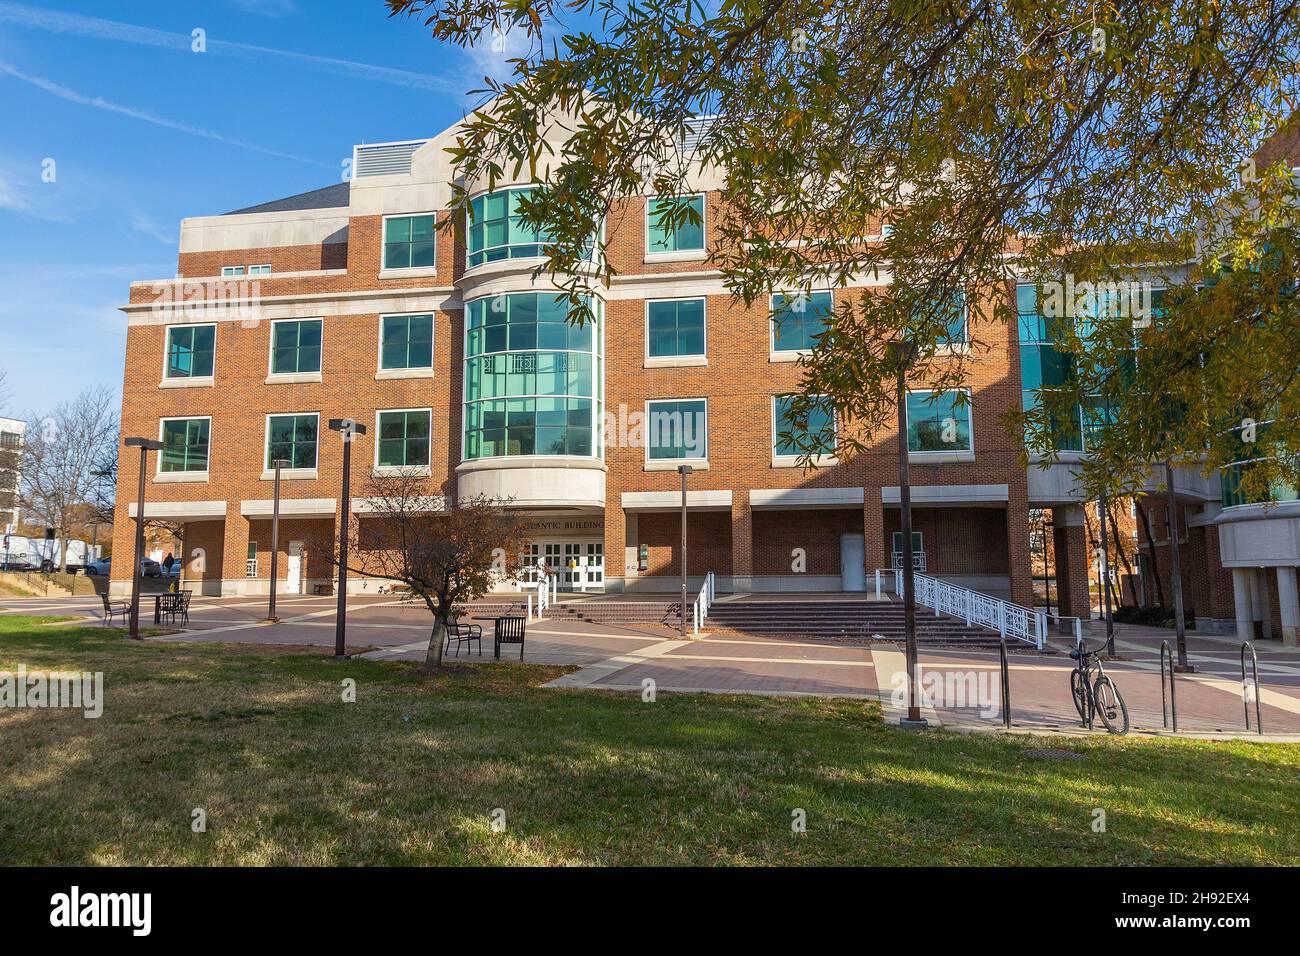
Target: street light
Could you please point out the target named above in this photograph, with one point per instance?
(145, 445)
(1176, 575)
(684, 470)
(277, 464)
(348, 428)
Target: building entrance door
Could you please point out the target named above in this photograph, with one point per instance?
(852, 555)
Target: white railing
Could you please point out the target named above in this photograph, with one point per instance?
(983, 610)
(703, 600)
(546, 591)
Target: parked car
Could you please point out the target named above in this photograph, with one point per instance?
(150, 568)
(99, 566)
(174, 571)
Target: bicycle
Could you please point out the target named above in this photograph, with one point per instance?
(1095, 694)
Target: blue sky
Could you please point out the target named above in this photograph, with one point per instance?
(143, 131)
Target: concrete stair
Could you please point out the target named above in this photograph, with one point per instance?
(846, 620)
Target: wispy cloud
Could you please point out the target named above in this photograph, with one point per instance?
(268, 8)
(492, 56)
(53, 21)
(99, 103)
(144, 223)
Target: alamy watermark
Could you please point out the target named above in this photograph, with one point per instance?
(54, 690)
(1112, 299)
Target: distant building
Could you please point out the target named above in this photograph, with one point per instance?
(11, 443)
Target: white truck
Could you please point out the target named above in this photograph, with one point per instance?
(17, 553)
(39, 554)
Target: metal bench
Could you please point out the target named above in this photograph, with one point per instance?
(508, 630)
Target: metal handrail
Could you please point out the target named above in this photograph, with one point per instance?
(1006, 684)
(983, 610)
(1254, 686)
(703, 601)
(1173, 700)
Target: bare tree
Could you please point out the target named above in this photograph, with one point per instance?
(60, 455)
(446, 552)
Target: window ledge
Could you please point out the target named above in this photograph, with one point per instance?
(178, 477)
(791, 355)
(939, 457)
(413, 272)
(404, 471)
(672, 464)
(675, 361)
(793, 461)
(201, 381)
(387, 374)
(289, 474)
(290, 378)
(685, 255)
(953, 348)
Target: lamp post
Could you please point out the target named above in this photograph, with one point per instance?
(278, 464)
(348, 428)
(1176, 575)
(684, 470)
(145, 445)
(1103, 508)
(905, 353)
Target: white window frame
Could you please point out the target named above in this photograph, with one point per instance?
(233, 272)
(787, 355)
(181, 477)
(940, 457)
(676, 361)
(273, 377)
(408, 270)
(672, 464)
(264, 269)
(192, 381)
(268, 474)
(793, 461)
(382, 373)
(678, 255)
(415, 471)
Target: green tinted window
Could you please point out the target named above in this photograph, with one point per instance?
(403, 439)
(190, 351)
(292, 438)
(798, 319)
(677, 429)
(938, 421)
(689, 235)
(295, 346)
(185, 445)
(408, 242)
(406, 341)
(675, 327)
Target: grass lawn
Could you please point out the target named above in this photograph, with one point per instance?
(411, 773)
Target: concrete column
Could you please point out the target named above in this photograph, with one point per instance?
(1289, 602)
(1243, 601)
(742, 543)
(873, 533)
(1264, 609)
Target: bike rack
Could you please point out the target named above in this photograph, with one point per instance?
(1254, 686)
(1006, 684)
(1172, 708)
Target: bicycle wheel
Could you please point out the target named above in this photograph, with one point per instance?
(1079, 691)
(1110, 706)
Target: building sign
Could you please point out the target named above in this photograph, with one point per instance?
(594, 526)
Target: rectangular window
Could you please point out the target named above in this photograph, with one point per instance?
(250, 563)
(190, 351)
(9, 440)
(689, 235)
(798, 319)
(185, 444)
(818, 438)
(952, 315)
(675, 327)
(295, 346)
(228, 272)
(292, 438)
(403, 439)
(897, 546)
(406, 341)
(408, 241)
(938, 421)
(677, 429)
(260, 270)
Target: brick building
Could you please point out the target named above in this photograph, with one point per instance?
(346, 302)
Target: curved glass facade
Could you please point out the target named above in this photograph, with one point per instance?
(534, 383)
